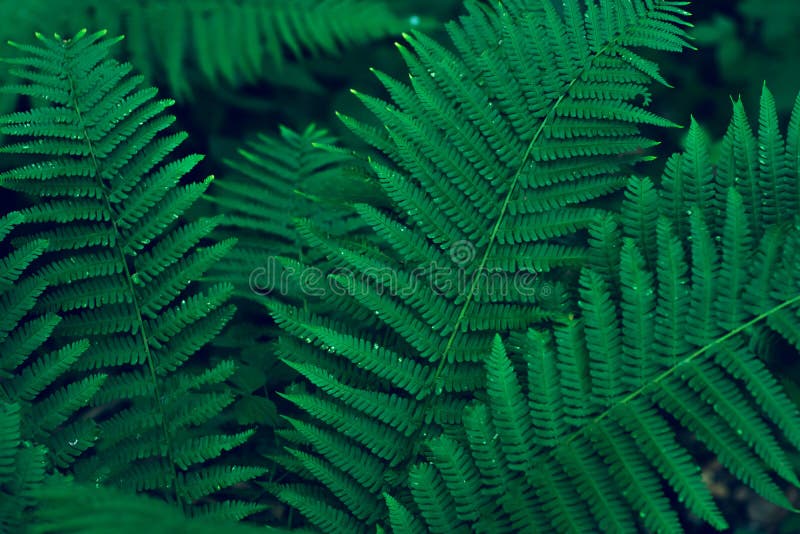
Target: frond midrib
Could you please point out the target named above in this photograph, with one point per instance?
(128, 277)
(511, 190)
(568, 439)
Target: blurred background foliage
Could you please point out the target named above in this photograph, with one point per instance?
(242, 66)
(741, 45)
(238, 68)
(292, 77)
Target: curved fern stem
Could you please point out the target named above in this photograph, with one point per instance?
(504, 209)
(691, 357)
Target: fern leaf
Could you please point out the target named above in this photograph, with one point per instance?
(273, 177)
(494, 157)
(117, 201)
(35, 372)
(621, 452)
(219, 44)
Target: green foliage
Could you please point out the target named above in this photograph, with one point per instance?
(21, 470)
(274, 182)
(487, 321)
(494, 161)
(236, 44)
(584, 436)
(222, 44)
(271, 184)
(34, 371)
(756, 37)
(120, 275)
(109, 510)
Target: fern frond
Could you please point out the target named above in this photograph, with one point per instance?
(96, 135)
(107, 509)
(494, 157)
(275, 181)
(760, 176)
(236, 44)
(35, 371)
(704, 390)
(213, 42)
(689, 182)
(607, 467)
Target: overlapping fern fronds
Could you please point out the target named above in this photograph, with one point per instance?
(567, 452)
(764, 169)
(232, 44)
(494, 157)
(22, 470)
(577, 431)
(33, 369)
(273, 183)
(215, 43)
(121, 272)
(40, 425)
